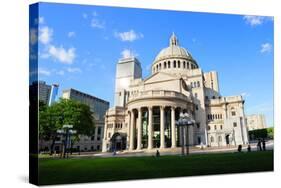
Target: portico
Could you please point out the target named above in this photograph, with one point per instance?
(152, 124)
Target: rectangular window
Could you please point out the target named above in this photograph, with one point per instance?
(233, 113)
(234, 124)
(198, 125)
(99, 130)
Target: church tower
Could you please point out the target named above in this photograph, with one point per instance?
(127, 69)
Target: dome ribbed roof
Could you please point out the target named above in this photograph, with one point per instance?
(173, 51)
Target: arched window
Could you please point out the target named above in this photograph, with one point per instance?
(165, 65)
(209, 128)
(160, 66)
(157, 67)
(219, 138)
(221, 127)
(198, 84)
(175, 64)
(233, 113)
(179, 64)
(184, 64)
(188, 65)
(169, 64)
(212, 139)
(215, 127)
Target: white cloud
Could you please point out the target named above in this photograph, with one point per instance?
(45, 35)
(126, 53)
(41, 20)
(63, 55)
(266, 48)
(61, 72)
(254, 20)
(245, 94)
(71, 34)
(73, 69)
(85, 16)
(257, 20)
(95, 23)
(128, 35)
(44, 72)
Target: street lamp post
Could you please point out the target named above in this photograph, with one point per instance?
(183, 123)
(66, 131)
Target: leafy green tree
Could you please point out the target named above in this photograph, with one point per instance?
(64, 112)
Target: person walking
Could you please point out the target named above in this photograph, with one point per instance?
(157, 153)
(249, 148)
(263, 144)
(259, 145)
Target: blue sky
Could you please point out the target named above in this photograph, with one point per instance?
(79, 47)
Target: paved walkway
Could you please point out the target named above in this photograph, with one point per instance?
(176, 151)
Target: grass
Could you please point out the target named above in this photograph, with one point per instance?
(78, 170)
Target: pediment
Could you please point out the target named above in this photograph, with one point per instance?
(160, 77)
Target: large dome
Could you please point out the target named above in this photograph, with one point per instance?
(173, 56)
(173, 51)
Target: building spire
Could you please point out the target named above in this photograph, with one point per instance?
(173, 40)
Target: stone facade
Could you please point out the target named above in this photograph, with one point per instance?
(256, 121)
(146, 110)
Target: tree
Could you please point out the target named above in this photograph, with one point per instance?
(64, 112)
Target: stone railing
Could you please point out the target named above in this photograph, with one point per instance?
(156, 94)
(223, 100)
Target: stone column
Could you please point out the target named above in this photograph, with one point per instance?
(105, 131)
(150, 129)
(128, 129)
(173, 126)
(162, 128)
(132, 130)
(139, 130)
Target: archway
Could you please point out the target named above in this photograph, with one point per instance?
(118, 141)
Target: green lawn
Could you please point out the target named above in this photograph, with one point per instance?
(77, 170)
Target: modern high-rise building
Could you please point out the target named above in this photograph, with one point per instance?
(127, 70)
(54, 93)
(98, 107)
(44, 92)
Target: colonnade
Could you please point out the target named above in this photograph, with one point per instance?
(136, 123)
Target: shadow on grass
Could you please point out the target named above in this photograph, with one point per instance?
(82, 170)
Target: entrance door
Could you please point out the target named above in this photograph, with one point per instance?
(118, 146)
(227, 139)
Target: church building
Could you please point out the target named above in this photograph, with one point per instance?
(146, 110)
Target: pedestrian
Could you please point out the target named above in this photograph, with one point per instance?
(263, 144)
(239, 148)
(249, 148)
(259, 145)
(157, 153)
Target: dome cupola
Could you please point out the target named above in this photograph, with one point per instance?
(173, 57)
